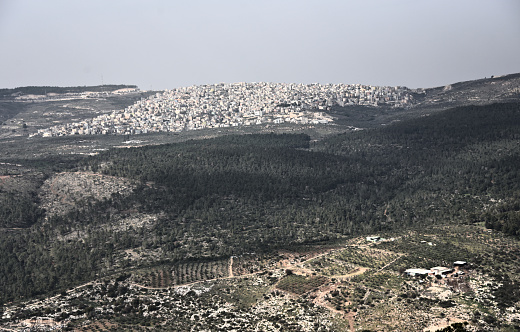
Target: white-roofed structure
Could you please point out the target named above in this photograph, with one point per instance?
(417, 272)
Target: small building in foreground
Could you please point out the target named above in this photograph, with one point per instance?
(417, 272)
(460, 264)
(441, 271)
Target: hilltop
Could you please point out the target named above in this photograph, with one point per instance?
(495, 89)
(91, 110)
(48, 92)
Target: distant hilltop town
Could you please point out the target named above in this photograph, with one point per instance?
(53, 93)
(231, 105)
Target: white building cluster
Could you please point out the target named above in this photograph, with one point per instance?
(51, 96)
(228, 105)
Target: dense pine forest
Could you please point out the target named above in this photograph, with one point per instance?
(231, 195)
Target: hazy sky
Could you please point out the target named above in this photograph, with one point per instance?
(161, 44)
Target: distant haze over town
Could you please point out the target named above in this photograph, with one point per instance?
(162, 45)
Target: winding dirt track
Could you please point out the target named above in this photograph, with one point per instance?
(230, 273)
(285, 264)
(295, 267)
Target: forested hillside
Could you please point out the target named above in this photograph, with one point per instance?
(453, 165)
(237, 194)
